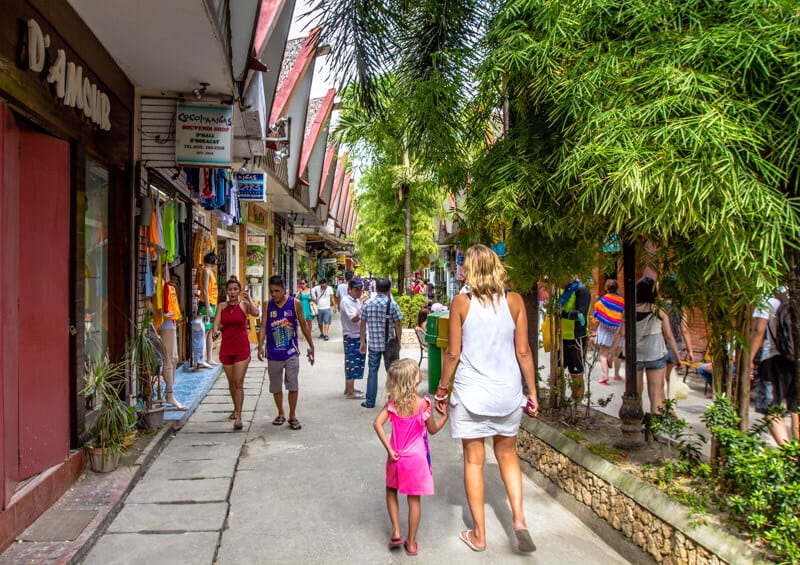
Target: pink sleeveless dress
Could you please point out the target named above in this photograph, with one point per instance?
(412, 474)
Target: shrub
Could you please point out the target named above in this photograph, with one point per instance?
(410, 307)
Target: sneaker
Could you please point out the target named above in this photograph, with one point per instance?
(321, 336)
(365, 405)
(326, 338)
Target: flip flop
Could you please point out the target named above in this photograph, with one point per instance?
(356, 396)
(464, 536)
(524, 541)
(408, 551)
(394, 543)
(294, 423)
(279, 421)
(603, 382)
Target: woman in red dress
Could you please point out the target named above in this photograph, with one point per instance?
(234, 352)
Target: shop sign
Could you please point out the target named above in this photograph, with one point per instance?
(256, 239)
(203, 135)
(258, 217)
(252, 186)
(74, 89)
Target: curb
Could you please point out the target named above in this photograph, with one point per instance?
(661, 507)
(142, 463)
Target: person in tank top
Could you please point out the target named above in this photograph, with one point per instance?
(234, 352)
(487, 356)
(279, 323)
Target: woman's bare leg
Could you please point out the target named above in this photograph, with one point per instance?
(474, 458)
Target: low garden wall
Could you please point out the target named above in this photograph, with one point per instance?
(658, 525)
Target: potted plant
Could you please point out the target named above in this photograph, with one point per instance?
(111, 421)
(143, 355)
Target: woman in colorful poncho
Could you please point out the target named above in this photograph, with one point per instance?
(607, 313)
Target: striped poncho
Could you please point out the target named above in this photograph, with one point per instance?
(608, 310)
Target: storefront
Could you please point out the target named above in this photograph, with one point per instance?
(65, 187)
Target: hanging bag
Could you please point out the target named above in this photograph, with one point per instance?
(392, 349)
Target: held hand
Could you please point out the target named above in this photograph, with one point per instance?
(441, 406)
(532, 407)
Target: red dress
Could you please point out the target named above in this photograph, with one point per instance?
(235, 343)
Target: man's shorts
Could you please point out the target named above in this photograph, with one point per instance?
(283, 371)
(353, 359)
(778, 371)
(324, 316)
(573, 355)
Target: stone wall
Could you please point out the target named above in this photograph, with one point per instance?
(655, 523)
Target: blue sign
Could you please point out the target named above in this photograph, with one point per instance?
(252, 186)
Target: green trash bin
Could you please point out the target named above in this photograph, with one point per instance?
(436, 338)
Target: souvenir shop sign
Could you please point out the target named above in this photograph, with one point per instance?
(252, 186)
(203, 135)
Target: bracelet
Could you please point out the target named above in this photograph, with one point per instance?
(438, 398)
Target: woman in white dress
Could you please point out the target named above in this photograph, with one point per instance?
(488, 341)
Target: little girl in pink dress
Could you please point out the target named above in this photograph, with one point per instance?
(408, 466)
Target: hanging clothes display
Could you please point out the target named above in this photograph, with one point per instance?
(169, 220)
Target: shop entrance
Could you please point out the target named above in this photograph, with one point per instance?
(34, 328)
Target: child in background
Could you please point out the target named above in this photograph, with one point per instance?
(408, 466)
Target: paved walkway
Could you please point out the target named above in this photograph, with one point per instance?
(270, 494)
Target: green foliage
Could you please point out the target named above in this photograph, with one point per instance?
(611, 454)
(112, 420)
(574, 436)
(143, 353)
(410, 307)
(763, 484)
(675, 429)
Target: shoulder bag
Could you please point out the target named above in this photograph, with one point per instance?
(391, 351)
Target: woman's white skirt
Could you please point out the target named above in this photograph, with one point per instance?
(466, 425)
(605, 335)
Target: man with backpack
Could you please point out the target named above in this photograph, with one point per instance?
(772, 327)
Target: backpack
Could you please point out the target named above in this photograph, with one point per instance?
(782, 337)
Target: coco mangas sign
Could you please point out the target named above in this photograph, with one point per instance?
(74, 89)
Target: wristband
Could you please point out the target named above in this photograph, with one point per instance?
(438, 398)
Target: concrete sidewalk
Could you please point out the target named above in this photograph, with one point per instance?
(270, 494)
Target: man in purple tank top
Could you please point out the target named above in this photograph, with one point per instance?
(279, 323)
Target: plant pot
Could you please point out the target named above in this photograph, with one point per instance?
(102, 460)
(153, 419)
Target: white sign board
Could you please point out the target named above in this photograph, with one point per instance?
(203, 136)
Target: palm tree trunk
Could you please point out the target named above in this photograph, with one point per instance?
(407, 260)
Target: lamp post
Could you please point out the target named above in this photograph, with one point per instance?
(630, 413)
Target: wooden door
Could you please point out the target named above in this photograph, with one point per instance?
(9, 308)
(43, 291)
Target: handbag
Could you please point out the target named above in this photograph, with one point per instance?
(391, 352)
(764, 395)
(314, 309)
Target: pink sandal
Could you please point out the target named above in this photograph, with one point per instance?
(408, 551)
(603, 382)
(394, 543)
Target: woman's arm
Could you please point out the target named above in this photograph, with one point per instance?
(521, 345)
(380, 420)
(687, 338)
(217, 320)
(458, 313)
(666, 330)
(248, 305)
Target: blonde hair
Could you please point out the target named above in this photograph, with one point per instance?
(401, 385)
(484, 273)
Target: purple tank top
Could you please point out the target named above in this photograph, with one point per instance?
(281, 331)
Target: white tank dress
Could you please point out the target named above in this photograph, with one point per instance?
(487, 397)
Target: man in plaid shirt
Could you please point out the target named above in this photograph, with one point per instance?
(373, 319)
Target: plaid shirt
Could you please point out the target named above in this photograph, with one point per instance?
(374, 313)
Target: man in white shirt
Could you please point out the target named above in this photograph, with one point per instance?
(322, 295)
(350, 307)
(775, 370)
(342, 289)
